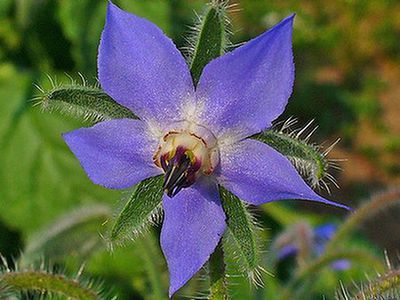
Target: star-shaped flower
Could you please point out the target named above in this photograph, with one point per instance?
(303, 237)
(197, 137)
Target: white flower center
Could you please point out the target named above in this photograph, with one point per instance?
(186, 152)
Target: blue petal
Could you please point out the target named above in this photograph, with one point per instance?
(193, 225)
(246, 89)
(141, 68)
(341, 265)
(116, 154)
(325, 232)
(287, 251)
(257, 174)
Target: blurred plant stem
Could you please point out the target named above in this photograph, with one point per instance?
(151, 256)
(310, 270)
(370, 208)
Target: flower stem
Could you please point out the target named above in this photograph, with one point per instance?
(218, 289)
(377, 203)
(310, 270)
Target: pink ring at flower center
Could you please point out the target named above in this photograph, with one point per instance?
(186, 152)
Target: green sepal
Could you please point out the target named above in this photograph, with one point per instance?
(210, 39)
(142, 208)
(241, 237)
(307, 158)
(83, 102)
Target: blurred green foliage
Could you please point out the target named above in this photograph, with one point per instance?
(347, 55)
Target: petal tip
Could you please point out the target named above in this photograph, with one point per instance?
(332, 203)
(114, 12)
(68, 136)
(346, 207)
(171, 292)
(176, 285)
(111, 6)
(287, 22)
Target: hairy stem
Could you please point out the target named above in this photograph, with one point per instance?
(45, 282)
(381, 285)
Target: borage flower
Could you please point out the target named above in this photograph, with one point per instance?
(303, 238)
(196, 137)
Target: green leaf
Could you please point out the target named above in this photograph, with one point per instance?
(142, 208)
(40, 179)
(74, 233)
(210, 39)
(83, 102)
(218, 285)
(81, 22)
(309, 161)
(241, 237)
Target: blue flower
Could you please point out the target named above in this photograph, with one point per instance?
(322, 235)
(197, 137)
(314, 240)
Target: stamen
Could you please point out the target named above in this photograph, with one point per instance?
(179, 171)
(185, 153)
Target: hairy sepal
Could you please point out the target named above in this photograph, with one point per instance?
(241, 240)
(84, 102)
(142, 208)
(210, 38)
(307, 158)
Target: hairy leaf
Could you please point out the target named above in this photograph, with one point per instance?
(307, 158)
(241, 237)
(83, 102)
(210, 39)
(142, 208)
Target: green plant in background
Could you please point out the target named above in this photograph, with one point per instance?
(188, 241)
(77, 235)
